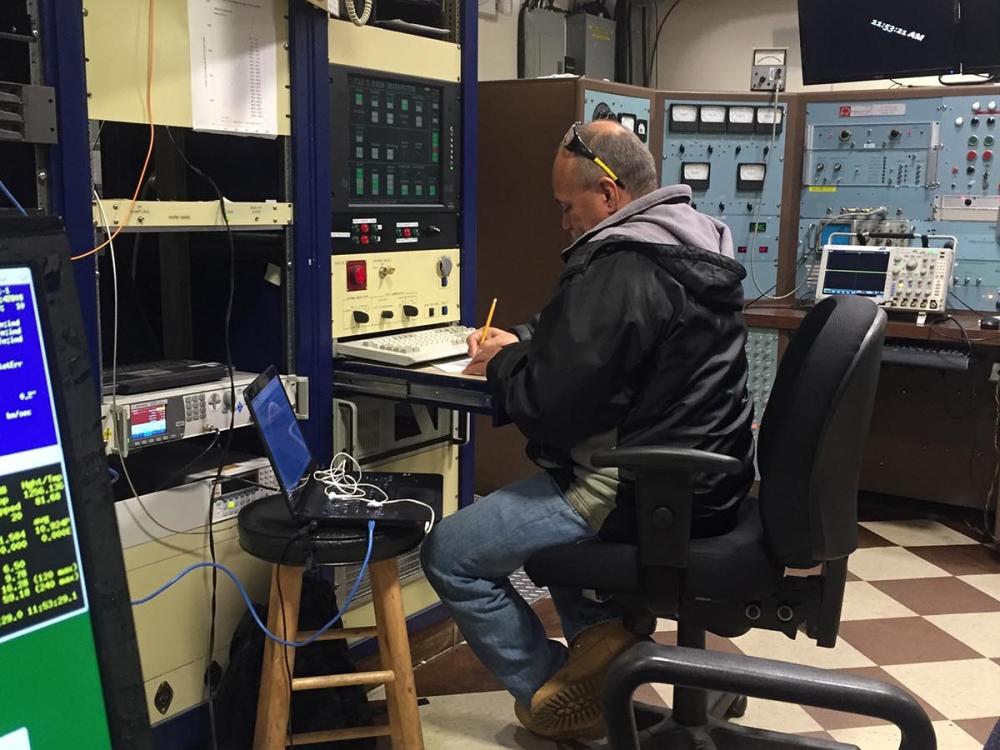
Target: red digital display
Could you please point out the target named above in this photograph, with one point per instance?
(149, 420)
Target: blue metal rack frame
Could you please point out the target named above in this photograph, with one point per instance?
(312, 185)
(469, 38)
(69, 177)
(308, 269)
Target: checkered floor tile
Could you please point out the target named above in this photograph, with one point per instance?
(921, 610)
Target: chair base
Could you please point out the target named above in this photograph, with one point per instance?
(726, 705)
(659, 731)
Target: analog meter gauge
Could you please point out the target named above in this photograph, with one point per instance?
(683, 118)
(751, 177)
(696, 174)
(769, 119)
(740, 119)
(712, 118)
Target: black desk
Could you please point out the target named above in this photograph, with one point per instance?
(423, 384)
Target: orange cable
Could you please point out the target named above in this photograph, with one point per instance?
(149, 150)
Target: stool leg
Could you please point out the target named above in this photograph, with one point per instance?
(394, 650)
(274, 701)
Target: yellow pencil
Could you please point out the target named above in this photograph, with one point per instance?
(489, 319)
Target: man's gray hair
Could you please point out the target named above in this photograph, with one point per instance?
(624, 154)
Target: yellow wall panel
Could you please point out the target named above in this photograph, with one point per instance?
(393, 52)
(115, 39)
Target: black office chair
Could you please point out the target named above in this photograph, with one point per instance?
(809, 454)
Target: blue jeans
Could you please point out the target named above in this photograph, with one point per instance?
(468, 559)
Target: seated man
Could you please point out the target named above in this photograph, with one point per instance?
(641, 344)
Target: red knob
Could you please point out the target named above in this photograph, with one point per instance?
(364, 239)
(364, 229)
(987, 155)
(972, 156)
(407, 232)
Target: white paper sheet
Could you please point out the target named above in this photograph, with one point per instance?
(17, 740)
(234, 68)
(454, 366)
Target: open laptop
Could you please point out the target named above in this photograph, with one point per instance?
(305, 495)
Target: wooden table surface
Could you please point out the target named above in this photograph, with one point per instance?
(939, 331)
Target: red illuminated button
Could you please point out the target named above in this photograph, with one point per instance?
(762, 249)
(364, 239)
(741, 249)
(972, 156)
(407, 232)
(365, 229)
(987, 155)
(357, 275)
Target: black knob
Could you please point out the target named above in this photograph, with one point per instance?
(970, 169)
(895, 135)
(749, 207)
(767, 150)
(663, 518)
(722, 208)
(711, 150)
(845, 135)
(410, 311)
(991, 121)
(968, 201)
(387, 314)
(431, 230)
(680, 149)
(738, 150)
(360, 317)
(974, 121)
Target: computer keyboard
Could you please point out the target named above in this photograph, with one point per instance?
(925, 355)
(410, 348)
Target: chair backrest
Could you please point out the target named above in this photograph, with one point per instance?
(813, 432)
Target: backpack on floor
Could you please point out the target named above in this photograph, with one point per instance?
(312, 710)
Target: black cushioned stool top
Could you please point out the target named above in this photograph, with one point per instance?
(267, 530)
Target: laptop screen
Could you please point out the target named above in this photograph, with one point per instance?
(280, 431)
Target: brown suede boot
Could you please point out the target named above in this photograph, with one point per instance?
(569, 703)
(592, 731)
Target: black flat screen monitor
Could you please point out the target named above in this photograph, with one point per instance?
(859, 40)
(70, 673)
(980, 36)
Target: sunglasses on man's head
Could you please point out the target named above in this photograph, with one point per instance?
(573, 143)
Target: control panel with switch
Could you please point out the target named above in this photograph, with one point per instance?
(633, 112)
(139, 420)
(393, 230)
(402, 143)
(924, 161)
(731, 153)
(381, 292)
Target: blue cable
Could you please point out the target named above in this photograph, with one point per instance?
(12, 199)
(253, 611)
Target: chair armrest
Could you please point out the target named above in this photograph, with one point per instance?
(757, 678)
(666, 459)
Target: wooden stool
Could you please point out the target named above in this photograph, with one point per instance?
(266, 531)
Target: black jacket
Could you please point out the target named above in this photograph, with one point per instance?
(642, 343)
